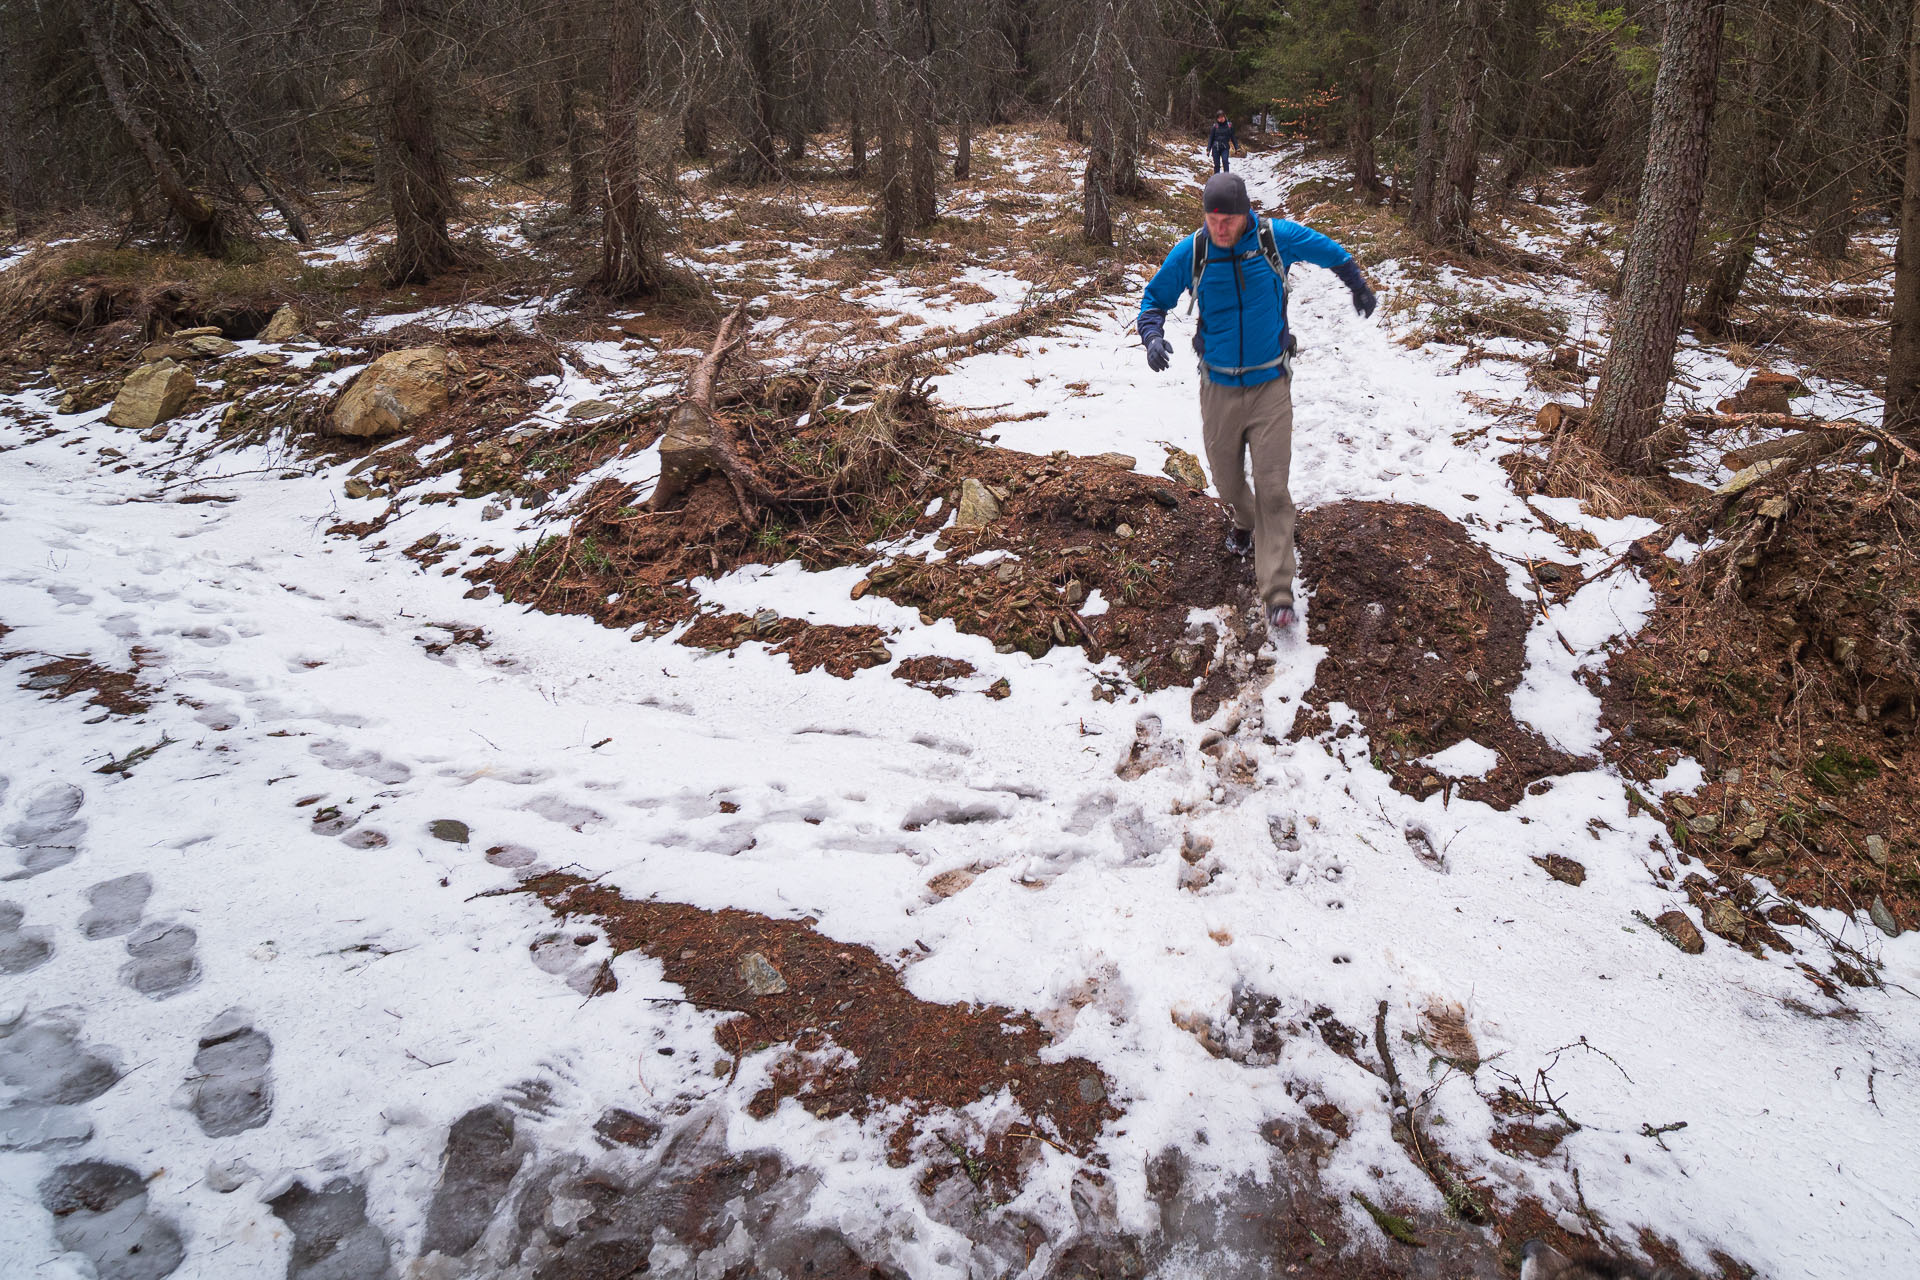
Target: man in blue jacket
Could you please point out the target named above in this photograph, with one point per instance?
(1246, 352)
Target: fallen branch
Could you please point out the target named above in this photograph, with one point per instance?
(1019, 324)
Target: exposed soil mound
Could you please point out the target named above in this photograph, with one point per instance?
(1424, 642)
(857, 1039)
(1786, 659)
(1070, 526)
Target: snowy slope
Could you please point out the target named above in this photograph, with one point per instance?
(292, 665)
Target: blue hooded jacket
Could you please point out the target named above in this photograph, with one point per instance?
(1242, 311)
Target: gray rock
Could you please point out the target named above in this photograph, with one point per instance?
(1124, 461)
(115, 905)
(480, 1163)
(1877, 851)
(332, 1239)
(232, 1079)
(208, 344)
(1092, 1089)
(452, 830)
(100, 1210)
(1882, 915)
(394, 391)
(162, 960)
(760, 976)
(978, 508)
(588, 410)
(1725, 919)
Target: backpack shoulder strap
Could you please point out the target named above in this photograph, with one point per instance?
(1271, 248)
(1199, 256)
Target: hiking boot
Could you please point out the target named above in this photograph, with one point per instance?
(1281, 617)
(1240, 542)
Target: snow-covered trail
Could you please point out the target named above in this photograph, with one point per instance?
(291, 665)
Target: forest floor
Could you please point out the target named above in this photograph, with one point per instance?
(428, 862)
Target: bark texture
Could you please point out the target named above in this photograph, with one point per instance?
(1633, 382)
(1903, 364)
(413, 163)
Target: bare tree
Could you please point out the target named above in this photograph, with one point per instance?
(1639, 364)
(1362, 60)
(1903, 362)
(1453, 202)
(630, 261)
(409, 62)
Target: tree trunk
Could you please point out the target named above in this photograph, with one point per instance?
(758, 162)
(1633, 382)
(695, 136)
(203, 228)
(25, 198)
(890, 90)
(414, 165)
(1426, 158)
(527, 132)
(922, 180)
(1902, 413)
(1096, 211)
(856, 132)
(1363, 56)
(1753, 169)
(630, 264)
(963, 146)
(1453, 202)
(579, 173)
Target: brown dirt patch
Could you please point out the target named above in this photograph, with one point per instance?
(855, 1038)
(933, 673)
(841, 650)
(1786, 660)
(118, 693)
(1424, 642)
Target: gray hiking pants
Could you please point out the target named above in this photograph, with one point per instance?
(1256, 420)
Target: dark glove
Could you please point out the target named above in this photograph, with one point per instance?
(1363, 300)
(1153, 338)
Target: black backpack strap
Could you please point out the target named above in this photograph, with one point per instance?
(1199, 256)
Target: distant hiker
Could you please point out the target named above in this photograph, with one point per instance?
(1220, 141)
(1236, 269)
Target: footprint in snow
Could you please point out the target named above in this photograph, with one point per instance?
(21, 950)
(232, 1083)
(162, 960)
(49, 831)
(100, 1210)
(332, 1238)
(115, 906)
(48, 1072)
(480, 1163)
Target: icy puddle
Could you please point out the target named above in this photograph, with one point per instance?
(844, 974)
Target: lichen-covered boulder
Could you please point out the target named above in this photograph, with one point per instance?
(393, 391)
(152, 394)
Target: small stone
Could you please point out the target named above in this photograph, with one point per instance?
(1092, 1089)
(1185, 468)
(1682, 806)
(1723, 918)
(1882, 915)
(1733, 776)
(978, 507)
(492, 511)
(1563, 869)
(1123, 531)
(198, 331)
(356, 487)
(1877, 851)
(1076, 593)
(211, 345)
(766, 621)
(1006, 570)
(1706, 824)
(1124, 461)
(1676, 928)
(228, 1176)
(1774, 508)
(999, 689)
(760, 976)
(1548, 572)
(452, 830)
(588, 410)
